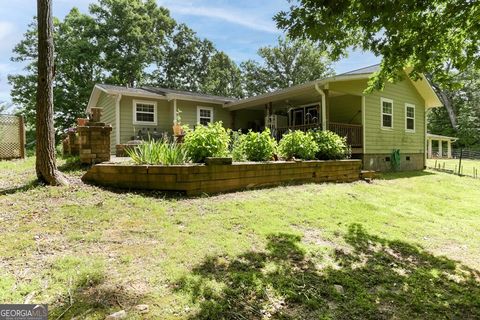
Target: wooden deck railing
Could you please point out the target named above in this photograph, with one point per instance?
(353, 132)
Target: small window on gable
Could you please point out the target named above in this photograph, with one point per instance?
(204, 115)
(409, 117)
(387, 113)
(144, 112)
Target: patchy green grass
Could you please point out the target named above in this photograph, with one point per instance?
(402, 247)
(469, 167)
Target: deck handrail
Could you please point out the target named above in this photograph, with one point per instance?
(352, 132)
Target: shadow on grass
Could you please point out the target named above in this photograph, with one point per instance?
(375, 279)
(22, 188)
(404, 174)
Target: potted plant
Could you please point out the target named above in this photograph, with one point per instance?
(177, 124)
(82, 122)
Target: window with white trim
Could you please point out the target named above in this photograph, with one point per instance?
(387, 113)
(409, 117)
(204, 115)
(144, 112)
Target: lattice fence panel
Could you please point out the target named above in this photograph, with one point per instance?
(11, 137)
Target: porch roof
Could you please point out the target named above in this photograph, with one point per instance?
(311, 90)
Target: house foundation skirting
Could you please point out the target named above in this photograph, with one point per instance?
(382, 161)
(199, 178)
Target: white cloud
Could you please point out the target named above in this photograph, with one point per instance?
(6, 30)
(245, 19)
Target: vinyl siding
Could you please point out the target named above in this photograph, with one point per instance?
(346, 109)
(377, 140)
(128, 130)
(165, 115)
(107, 103)
(189, 112)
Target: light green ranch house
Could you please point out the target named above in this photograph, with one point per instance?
(374, 124)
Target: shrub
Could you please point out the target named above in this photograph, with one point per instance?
(298, 144)
(259, 146)
(207, 141)
(237, 146)
(330, 145)
(158, 152)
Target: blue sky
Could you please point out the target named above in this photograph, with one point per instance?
(236, 27)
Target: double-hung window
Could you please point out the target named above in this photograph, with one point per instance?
(409, 117)
(387, 113)
(144, 112)
(204, 115)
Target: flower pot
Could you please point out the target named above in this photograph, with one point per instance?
(82, 122)
(177, 130)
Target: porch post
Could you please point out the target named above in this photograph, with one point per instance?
(324, 112)
(327, 109)
(440, 146)
(429, 148)
(449, 149)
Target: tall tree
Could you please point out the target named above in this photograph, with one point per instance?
(184, 65)
(132, 36)
(423, 35)
(77, 69)
(223, 77)
(289, 63)
(46, 166)
(464, 99)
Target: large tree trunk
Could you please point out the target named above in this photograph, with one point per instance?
(45, 147)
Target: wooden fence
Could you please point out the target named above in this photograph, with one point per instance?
(12, 137)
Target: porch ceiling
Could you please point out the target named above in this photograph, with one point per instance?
(293, 99)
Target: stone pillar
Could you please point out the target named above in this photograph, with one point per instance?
(73, 144)
(94, 142)
(430, 155)
(449, 149)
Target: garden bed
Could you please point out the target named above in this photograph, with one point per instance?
(196, 179)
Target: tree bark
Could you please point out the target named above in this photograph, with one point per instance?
(45, 166)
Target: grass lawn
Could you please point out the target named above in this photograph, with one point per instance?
(402, 247)
(452, 164)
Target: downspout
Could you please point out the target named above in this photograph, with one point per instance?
(324, 106)
(117, 118)
(174, 111)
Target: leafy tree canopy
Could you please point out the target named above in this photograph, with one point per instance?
(423, 35)
(289, 63)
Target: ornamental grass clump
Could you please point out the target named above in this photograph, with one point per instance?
(298, 145)
(330, 145)
(211, 140)
(257, 146)
(158, 152)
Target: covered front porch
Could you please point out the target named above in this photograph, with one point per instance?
(310, 108)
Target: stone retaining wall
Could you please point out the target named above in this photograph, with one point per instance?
(199, 178)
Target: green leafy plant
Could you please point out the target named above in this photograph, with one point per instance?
(298, 144)
(158, 152)
(258, 146)
(211, 140)
(395, 160)
(237, 146)
(330, 145)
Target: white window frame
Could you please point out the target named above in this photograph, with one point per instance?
(409, 105)
(204, 108)
(134, 107)
(382, 100)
